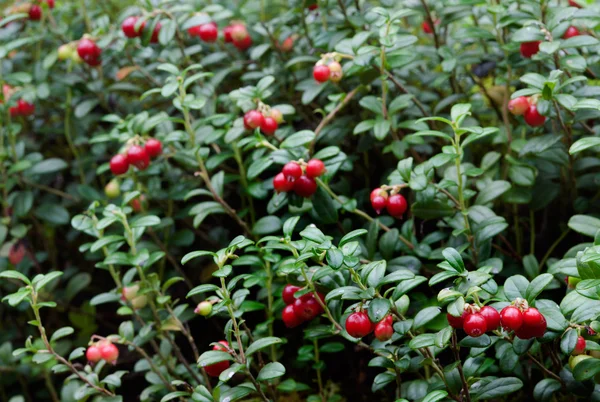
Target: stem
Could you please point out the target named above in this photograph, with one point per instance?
(50, 387)
(319, 377)
(237, 154)
(456, 349)
(269, 286)
(74, 151)
(553, 246)
(461, 197)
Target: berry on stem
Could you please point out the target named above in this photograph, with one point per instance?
(528, 49)
(269, 126)
(573, 3)
(533, 117)
(153, 147)
(579, 346)
(214, 370)
(253, 119)
(288, 294)
(511, 318)
(321, 73)
(378, 204)
(518, 106)
(292, 171)
(290, 318)
(492, 317)
(227, 34)
(571, 32)
(315, 168)
(335, 71)
(109, 352)
(306, 307)
(89, 51)
(119, 164)
(358, 324)
(35, 13)
(92, 354)
(281, 184)
(384, 330)
(128, 27)
(396, 205)
(456, 322)
(305, 186)
(138, 157)
(475, 325)
(207, 32)
(534, 321)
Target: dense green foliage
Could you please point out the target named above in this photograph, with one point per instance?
(123, 264)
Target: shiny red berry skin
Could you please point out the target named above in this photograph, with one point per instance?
(155, 32)
(307, 307)
(153, 147)
(128, 27)
(378, 204)
(426, 26)
(571, 32)
(535, 321)
(119, 164)
(511, 318)
(573, 3)
(321, 73)
(289, 317)
(384, 331)
(292, 170)
(455, 322)
(305, 186)
(16, 253)
(492, 317)
(214, 370)
(358, 324)
(282, 184)
(518, 106)
(269, 126)
(23, 108)
(243, 44)
(50, 3)
(92, 354)
(579, 346)
(35, 13)
(253, 119)
(208, 32)
(475, 325)
(288, 294)
(227, 34)
(396, 205)
(109, 352)
(138, 157)
(379, 192)
(528, 49)
(315, 168)
(533, 117)
(89, 51)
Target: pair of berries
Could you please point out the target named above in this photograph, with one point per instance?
(268, 124)
(395, 204)
(89, 51)
(359, 325)
(301, 309)
(103, 350)
(238, 35)
(527, 322)
(206, 32)
(331, 71)
(475, 321)
(129, 28)
(214, 370)
(292, 178)
(526, 107)
(23, 108)
(131, 294)
(137, 156)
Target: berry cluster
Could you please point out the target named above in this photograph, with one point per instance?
(237, 33)
(102, 350)
(324, 72)
(137, 156)
(214, 370)
(301, 309)
(89, 51)
(395, 204)
(475, 321)
(268, 122)
(527, 106)
(359, 325)
(293, 178)
(527, 322)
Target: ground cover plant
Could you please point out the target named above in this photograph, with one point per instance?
(289, 200)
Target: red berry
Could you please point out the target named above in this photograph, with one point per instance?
(427, 27)
(109, 352)
(282, 184)
(306, 308)
(492, 317)
(16, 253)
(155, 32)
(533, 117)
(456, 322)
(35, 13)
(535, 321)
(384, 331)
(573, 3)
(315, 168)
(287, 45)
(313, 7)
(396, 205)
(153, 147)
(378, 203)
(321, 73)
(128, 27)
(92, 354)
(238, 32)
(518, 106)
(243, 44)
(289, 317)
(137, 203)
(288, 293)
(511, 318)
(358, 324)
(305, 186)
(214, 370)
(119, 164)
(227, 33)
(138, 157)
(379, 192)
(50, 3)
(292, 171)
(14, 111)
(208, 32)
(24, 108)
(579, 346)
(89, 51)
(475, 325)
(571, 32)
(528, 49)
(269, 126)
(253, 119)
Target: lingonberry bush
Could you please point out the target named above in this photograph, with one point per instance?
(300, 200)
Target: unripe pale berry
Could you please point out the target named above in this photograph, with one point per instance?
(65, 52)
(335, 71)
(277, 115)
(203, 308)
(518, 106)
(112, 189)
(128, 293)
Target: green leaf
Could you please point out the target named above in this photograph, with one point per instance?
(584, 224)
(196, 254)
(492, 191)
(299, 139)
(568, 341)
(15, 275)
(454, 259)
(583, 144)
(61, 333)
(498, 387)
(177, 394)
(266, 225)
(586, 369)
(202, 289)
(378, 309)
(324, 207)
(261, 344)
(425, 316)
(271, 371)
(435, 396)
(49, 166)
(544, 389)
(144, 221)
(212, 357)
(537, 286)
